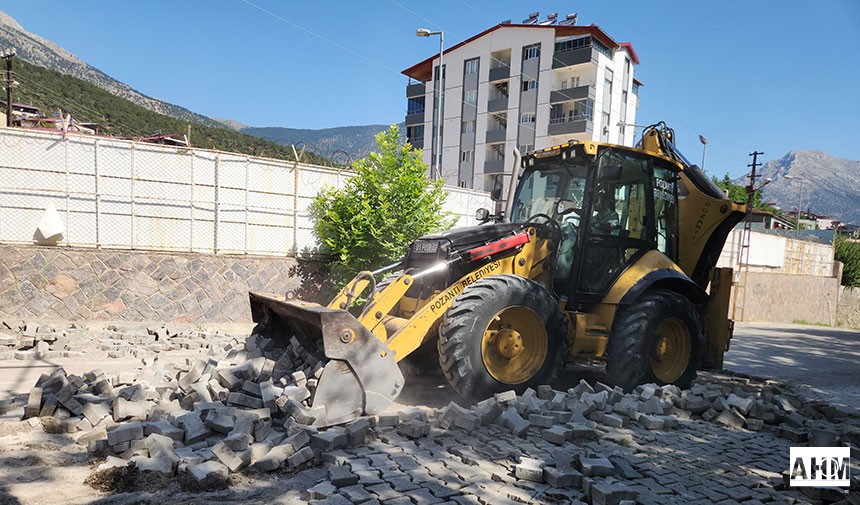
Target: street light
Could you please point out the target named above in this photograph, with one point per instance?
(436, 165)
(799, 202)
(704, 142)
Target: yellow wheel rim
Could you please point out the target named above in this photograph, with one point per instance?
(670, 355)
(514, 345)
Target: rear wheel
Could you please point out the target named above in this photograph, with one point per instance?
(657, 339)
(503, 332)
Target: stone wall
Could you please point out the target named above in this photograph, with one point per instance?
(848, 313)
(784, 298)
(88, 284)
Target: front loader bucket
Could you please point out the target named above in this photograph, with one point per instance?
(361, 376)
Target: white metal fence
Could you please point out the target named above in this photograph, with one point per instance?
(120, 194)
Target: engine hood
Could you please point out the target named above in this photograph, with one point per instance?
(464, 238)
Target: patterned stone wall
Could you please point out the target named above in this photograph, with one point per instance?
(90, 284)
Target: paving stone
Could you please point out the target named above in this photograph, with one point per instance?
(529, 469)
(125, 433)
(596, 467)
(511, 419)
(342, 476)
(301, 457)
(606, 493)
(95, 412)
(330, 439)
(564, 476)
(356, 493)
(651, 422)
(557, 434)
(321, 491)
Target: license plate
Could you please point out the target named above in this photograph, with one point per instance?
(425, 247)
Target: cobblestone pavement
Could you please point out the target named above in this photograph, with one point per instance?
(726, 440)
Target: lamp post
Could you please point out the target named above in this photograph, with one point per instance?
(436, 165)
(704, 142)
(799, 202)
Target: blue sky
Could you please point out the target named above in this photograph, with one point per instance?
(767, 75)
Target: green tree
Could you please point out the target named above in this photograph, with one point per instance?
(848, 253)
(738, 194)
(388, 204)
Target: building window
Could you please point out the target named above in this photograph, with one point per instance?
(466, 156)
(524, 148)
(530, 52)
(529, 84)
(415, 106)
(527, 117)
(635, 89)
(415, 133)
(470, 97)
(602, 48)
(572, 44)
(468, 126)
(472, 66)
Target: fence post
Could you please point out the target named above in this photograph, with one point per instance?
(68, 191)
(217, 202)
(131, 188)
(193, 201)
(296, 209)
(247, 165)
(98, 193)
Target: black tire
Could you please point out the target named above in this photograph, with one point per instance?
(482, 320)
(657, 339)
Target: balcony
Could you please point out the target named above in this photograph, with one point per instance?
(413, 90)
(414, 118)
(575, 57)
(494, 166)
(497, 105)
(569, 125)
(417, 142)
(577, 93)
(496, 136)
(500, 73)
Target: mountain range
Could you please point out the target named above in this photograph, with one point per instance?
(826, 184)
(341, 144)
(816, 182)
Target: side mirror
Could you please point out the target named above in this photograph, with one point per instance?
(496, 194)
(482, 215)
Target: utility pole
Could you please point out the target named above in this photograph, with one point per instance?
(751, 187)
(743, 266)
(8, 54)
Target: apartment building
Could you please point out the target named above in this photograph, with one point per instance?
(530, 85)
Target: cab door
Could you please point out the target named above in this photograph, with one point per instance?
(621, 221)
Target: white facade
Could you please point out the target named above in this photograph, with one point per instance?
(563, 83)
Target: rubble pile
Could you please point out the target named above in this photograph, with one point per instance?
(249, 408)
(27, 340)
(210, 417)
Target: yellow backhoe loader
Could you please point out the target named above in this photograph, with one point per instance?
(602, 252)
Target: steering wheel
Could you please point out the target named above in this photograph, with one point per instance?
(548, 221)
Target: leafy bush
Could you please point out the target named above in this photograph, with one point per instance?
(387, 205)
(848, 253)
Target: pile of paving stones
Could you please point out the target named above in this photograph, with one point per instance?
(249, 408)
(28, 340)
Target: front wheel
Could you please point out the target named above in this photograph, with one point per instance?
(657, 339)
(503, 332)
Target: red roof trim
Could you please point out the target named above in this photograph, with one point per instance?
(629, 47)
(423, 71)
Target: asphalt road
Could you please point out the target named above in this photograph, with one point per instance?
(821, 362)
